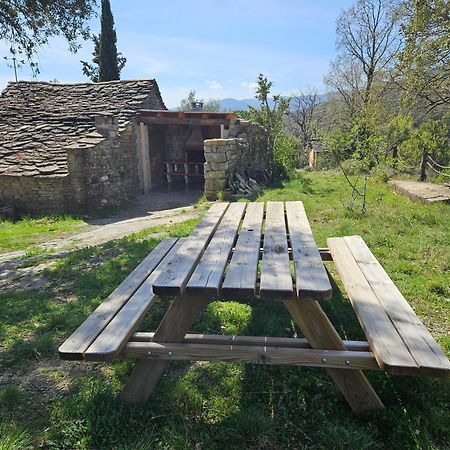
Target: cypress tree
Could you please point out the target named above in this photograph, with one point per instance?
(108, 64)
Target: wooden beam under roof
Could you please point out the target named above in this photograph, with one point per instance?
(163, 117)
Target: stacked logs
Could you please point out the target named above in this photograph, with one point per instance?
(248, 184)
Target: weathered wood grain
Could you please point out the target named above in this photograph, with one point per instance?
(180, 316)
(173, 281)
(420, 343)
(321, 334)
(340, 359)
(276, 279)
(75, 346)
(310, 275)
(240, 278)
(208, 274)
(266, 341)
(386, 344)
(113, 338)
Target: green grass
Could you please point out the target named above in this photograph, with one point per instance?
(219, 405)
(23, 234)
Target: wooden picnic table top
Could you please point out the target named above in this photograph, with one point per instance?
(247, 249)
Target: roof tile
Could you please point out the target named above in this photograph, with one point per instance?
(39, 121)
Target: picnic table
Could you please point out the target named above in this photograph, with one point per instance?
(246, 250)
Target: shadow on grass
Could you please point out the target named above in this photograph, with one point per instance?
(237, 406)
(211, 406)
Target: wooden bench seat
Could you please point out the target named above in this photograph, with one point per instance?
(398, 339)
(105, 332)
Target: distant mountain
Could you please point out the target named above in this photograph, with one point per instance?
(234, 104)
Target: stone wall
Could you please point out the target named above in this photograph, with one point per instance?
(244, 150)
(35, 195)
(106, 172)
(103, 169)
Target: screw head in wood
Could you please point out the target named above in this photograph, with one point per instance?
(324, 360)
(347, 363)
(170, 353)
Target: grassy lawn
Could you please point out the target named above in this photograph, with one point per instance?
(27, 232)
(51, 404)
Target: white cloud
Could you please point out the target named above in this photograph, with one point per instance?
(249, 85)
(214, 85)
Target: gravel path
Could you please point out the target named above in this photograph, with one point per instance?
(165, 206)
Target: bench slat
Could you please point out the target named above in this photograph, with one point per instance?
(209, 272)
(241, 275)
(311, 277)
(388, 348)
(173, 280)
(74, 347)
(421, 344)
(113, 338)
(276, 279)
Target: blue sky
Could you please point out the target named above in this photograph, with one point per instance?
(216, 47)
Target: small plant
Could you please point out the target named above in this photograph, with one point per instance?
(12, 438)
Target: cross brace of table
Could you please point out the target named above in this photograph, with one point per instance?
(344, 360)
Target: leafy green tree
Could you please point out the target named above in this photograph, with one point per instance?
(430, 140)
(186, 104)
(397, 130)
(270, 118)
(26, 25)
(424, 62)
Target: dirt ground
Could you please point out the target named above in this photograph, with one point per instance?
(164, 205)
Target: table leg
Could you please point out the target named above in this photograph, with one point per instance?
(177, 321)
(320, 333)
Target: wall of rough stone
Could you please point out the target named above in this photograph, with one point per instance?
(256, 155)
(35, 195)
(105, 172)
(103, 169)
(244, 149)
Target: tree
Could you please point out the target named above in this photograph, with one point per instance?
(186, 104)
(367, 42)
(428, 144)
(270, 118)
(424, 62)
(107, 63)
(26, 25)
(305, 117)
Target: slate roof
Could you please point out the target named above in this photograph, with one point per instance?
(39, 120)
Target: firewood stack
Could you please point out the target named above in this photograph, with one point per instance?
(247, 184)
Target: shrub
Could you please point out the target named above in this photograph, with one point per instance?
(285, 153)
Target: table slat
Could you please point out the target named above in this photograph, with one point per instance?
(421, 344)
(240, 278)
(276, 279)
(85, 334)
(209, 271)
(113, 338)
(310, 275)
(386, 344)
(174, 279)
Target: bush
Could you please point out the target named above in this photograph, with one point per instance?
(353, 166)
(285, 154)
(383, 172)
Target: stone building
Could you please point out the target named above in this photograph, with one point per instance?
(71, 147)
(77, 147)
